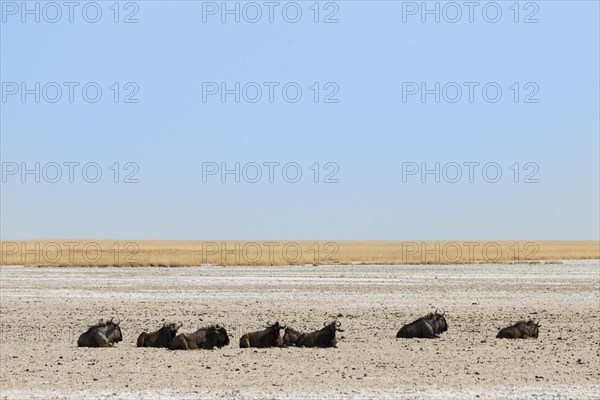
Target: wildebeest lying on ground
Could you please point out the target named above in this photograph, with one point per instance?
(160, 338)
(427, 327)
(520, 330)
(204, 338)
(266, 338)
(291, 336)
(104, 334)
(321, 338)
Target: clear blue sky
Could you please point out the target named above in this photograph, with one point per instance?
(369, 133)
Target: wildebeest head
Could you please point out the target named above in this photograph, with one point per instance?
(222, 338)
(537, 328)
(333, 326)
(291, 336)
(439, 322)
(172, 327)
(113, 331)
(164, 335)
(534, 328)
(275, 328)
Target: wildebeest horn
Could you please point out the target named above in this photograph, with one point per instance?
(269, 323)
(116, 323)
(338, 324)
(325, 323)
(180, 324)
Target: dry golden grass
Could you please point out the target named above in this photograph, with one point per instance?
(79, 252)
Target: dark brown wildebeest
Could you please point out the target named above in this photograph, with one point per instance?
(266, 338)
(291, 336)
(520, 330)
(204, 338)
(321, 338)
(427, 327)
(104, 334)
(160, 338)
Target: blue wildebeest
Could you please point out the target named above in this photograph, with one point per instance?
(324, 337)
(160, 338)
(204, 338)
(103, 334)
(520, 330)
(427, 327)
(268, 337)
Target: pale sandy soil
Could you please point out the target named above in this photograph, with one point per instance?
(43, 310)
